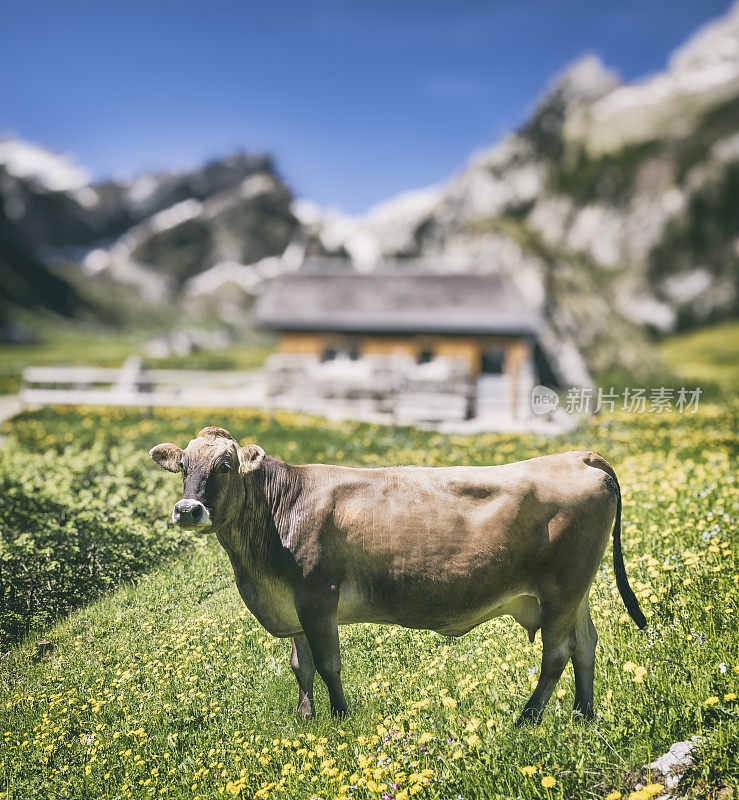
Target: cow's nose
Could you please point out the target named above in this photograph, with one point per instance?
(190, 513)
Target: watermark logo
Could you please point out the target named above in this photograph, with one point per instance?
(543, 400)
(585, 400)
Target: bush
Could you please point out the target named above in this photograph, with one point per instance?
(75, 524)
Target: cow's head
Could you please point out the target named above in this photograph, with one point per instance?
(212, 466)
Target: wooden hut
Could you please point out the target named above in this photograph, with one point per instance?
(479, 321)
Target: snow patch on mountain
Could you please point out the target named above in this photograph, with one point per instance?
(715, 45)
(46, 171)
(224, 274)
(55, 173)
(386, 229)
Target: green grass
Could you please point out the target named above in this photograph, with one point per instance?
(610, 176)
(70, 531)
(710, 355)
(100, 348)
(169, 687)
(68, 348)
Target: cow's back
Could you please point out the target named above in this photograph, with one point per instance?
(414, 545)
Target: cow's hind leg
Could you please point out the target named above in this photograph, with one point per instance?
(301, 660)
(558, 644)
(583, 659)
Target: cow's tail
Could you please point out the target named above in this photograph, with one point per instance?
(627, 593)
(622, 582)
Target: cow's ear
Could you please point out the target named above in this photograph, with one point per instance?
(250, 458)
(168, 456)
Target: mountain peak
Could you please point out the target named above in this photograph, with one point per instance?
(580, 84)
(716, 43)
(702, 74)
(583, 81)
(49, 171)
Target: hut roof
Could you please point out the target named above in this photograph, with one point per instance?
(396, 302)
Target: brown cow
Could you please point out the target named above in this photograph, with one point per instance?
(443, 549)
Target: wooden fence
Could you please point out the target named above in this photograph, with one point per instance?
(131, 385)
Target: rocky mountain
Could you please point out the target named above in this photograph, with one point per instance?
(615, 209)
(151, 233)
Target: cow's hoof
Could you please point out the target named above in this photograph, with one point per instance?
(528, 717)
(339, 713)
(305, 711)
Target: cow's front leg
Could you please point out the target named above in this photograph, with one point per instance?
(301, 660)
(317, 612)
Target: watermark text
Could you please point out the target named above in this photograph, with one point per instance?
(635, 400)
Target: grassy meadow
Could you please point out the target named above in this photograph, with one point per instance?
(168, 687)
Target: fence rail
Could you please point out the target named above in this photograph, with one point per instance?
(130, 385)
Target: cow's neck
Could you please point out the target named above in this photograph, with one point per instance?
(259, 535)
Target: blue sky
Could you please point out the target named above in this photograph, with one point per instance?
(357, 100)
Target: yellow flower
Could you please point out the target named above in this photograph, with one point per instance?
(613, 796)
(449, 702)
(639, 674)
(629, 666)
(457, 754)
(711, 701)
(729, 697)
(548, 782)
(425, 737)
(473, 740)
(647, 792)
(528, 771)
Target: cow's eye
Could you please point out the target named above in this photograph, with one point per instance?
(225, 467)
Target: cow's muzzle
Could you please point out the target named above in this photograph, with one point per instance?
(191, 514)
